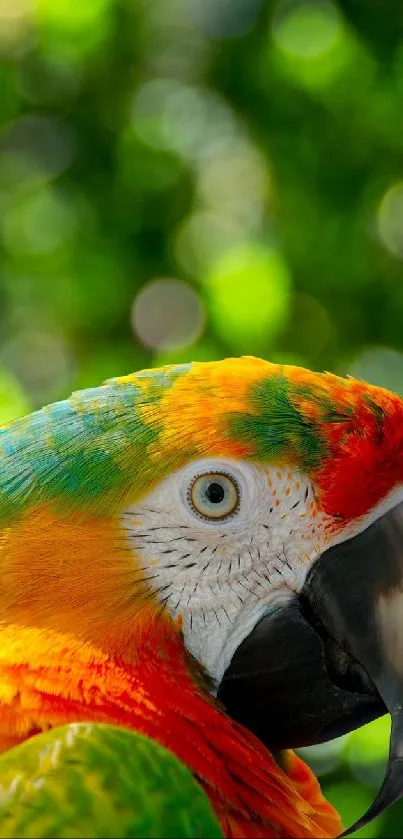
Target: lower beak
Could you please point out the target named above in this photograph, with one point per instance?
(330, 659)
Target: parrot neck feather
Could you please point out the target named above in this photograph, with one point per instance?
(75, 575)
(48, 678)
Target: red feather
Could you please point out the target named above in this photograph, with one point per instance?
(48, 678)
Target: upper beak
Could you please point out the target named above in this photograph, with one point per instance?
(330, 659)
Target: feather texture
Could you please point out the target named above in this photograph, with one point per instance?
(47, 679)
(99, 781)
(104, 446)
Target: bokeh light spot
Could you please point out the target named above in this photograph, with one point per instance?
(390, 219)
(202, 238)
(15, 16)
(152, 107)
(248, 289)
(70, 15)
(72, 29)
(306, 29)
(40, 224)
(177, 47)
(224, 18)
(235, 183)
(42, 362)
(167, 314)
(192, 121)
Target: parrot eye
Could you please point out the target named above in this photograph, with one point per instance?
(214, 496)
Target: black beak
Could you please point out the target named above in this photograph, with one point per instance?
(331, 659)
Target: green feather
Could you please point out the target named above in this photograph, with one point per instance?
(95, 781)
(276, 427)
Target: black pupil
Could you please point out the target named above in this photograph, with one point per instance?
(215, 493)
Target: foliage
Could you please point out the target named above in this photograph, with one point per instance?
(198, 178)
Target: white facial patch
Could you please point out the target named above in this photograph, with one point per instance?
(221, 575)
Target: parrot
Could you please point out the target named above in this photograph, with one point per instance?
(201, 570)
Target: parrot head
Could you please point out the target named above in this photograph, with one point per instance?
(257, 507)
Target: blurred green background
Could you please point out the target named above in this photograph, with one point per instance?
(191, 179)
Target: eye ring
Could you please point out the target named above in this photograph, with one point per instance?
(214, 496)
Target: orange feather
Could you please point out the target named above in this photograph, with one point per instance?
(48, 678)
(81, 639)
